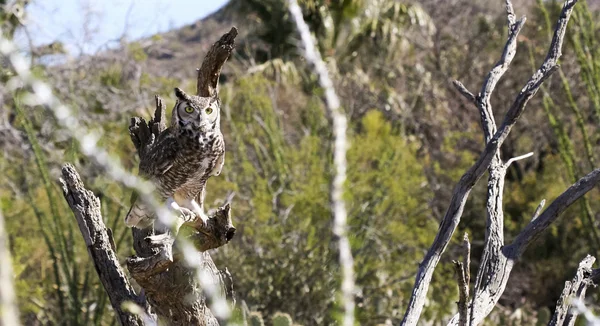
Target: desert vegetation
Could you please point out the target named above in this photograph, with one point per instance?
(412, 135)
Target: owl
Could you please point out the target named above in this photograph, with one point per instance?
(184, 156)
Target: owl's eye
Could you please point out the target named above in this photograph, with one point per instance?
(208, 110)
(189, 109)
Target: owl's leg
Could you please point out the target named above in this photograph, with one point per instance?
(172, 204)
(200, 198)
(199, 211)
(185, 212)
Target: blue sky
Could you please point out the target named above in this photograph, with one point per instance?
(89, 25)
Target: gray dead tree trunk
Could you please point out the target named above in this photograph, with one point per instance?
(176, 288)
(498, 258)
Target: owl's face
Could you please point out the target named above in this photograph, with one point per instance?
(195, 112)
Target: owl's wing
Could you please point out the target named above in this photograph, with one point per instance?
(160, 158)
(218, 165)
(219, 146)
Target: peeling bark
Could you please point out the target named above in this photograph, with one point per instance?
(100, 244)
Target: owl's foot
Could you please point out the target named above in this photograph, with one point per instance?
(187, 214)
(200, 214)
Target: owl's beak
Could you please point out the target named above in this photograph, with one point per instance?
(201, 126)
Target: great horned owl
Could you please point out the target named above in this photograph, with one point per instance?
(184, 156)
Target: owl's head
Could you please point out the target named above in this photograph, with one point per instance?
(195, 112)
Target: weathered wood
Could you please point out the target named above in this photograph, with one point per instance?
(575, 289)
(178, 280)
(490, 160)
(144, 134)
(100, 245)
(209, 72)
(168, 267)
(489, 156)
(498, 260)
(463, 278)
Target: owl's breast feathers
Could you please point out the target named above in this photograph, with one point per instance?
(196, 156)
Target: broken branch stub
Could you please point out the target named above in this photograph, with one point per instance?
(100, 244)
(209, 72)
(163, 266)
(574, 290)
(170, 284)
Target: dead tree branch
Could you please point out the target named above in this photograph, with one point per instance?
(488, 159)
(162, 263)
(497, 261)
(209, 72)
(463, 278)
(177, 279)
(575, 289)
(559, 205)
(100, 244)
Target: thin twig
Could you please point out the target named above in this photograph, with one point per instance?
(462, 275)
(464, 91)
(467, 258)
(340, 227)
(463, 292)
(521, 157)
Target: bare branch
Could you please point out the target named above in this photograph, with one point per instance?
(510, 14)
(559, 205)
(573, 290)
(464, 91)
(217, 232)
(145, 133)
(521, 157)
(488, 157)
(491, 80)
(340, 227)
(209, 72)
(463, 291)
(467, 258)
(100, 245)
(462, 275)
(498, 262)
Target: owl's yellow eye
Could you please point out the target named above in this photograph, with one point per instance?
(208, 110)
(189, 109)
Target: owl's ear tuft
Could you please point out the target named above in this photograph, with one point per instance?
(181, 95)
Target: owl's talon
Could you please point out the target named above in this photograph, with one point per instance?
(200, 215)
(187, 214)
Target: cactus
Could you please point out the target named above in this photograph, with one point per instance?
(255, 319)
(281, 319)
(278, 319)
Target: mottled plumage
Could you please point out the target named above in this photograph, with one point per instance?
(184, 156)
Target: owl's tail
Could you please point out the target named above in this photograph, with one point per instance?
(138, 216)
